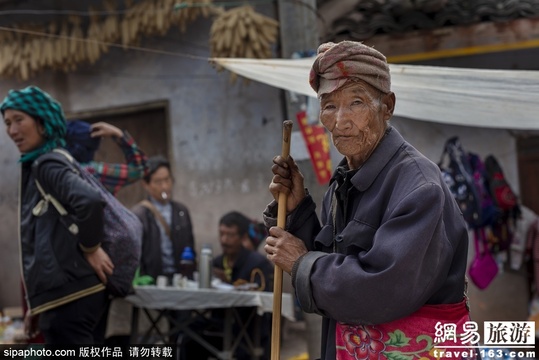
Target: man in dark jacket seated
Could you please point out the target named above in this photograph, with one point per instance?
(246, 270)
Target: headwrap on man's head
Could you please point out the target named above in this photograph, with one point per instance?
(40, 105)
(336, 63)
(79, 142)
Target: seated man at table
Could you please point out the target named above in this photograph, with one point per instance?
(246, 270)
(238, 265)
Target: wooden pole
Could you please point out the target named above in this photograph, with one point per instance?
(278, 272)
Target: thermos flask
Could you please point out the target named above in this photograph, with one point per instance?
(205, 268)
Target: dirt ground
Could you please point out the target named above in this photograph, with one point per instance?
(294, 341)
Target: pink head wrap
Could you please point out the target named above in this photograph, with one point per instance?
(338, 62)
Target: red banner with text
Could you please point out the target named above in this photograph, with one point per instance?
(317, 141)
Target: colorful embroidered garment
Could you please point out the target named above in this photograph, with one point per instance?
(422, 335)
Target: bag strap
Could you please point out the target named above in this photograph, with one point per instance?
(445, 155)
(480, 239)
(476, 241)
(450, 148)
(47, 198)
(65, 153)
(148, 205)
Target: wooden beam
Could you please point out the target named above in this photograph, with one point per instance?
(117, 110)
(454, 41)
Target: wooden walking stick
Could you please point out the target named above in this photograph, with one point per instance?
(278, 272)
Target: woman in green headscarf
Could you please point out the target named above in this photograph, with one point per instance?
(64, 274)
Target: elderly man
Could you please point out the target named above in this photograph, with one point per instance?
(387, 261)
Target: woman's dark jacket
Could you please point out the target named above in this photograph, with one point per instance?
(54, 268)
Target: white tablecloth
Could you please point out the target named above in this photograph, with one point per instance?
(152, 297)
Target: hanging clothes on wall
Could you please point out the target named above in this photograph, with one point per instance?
(489, 206)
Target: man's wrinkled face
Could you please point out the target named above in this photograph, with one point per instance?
(356, 115)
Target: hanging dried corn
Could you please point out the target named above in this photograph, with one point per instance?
(93, 50)
(242, 32)
(72, 43)
(111, 27)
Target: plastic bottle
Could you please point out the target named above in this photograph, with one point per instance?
(187, 263)
(204, 268)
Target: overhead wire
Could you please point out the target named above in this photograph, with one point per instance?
(178, 6)
(125, 47)
(116, 12)
(145, 76)
(116, 45)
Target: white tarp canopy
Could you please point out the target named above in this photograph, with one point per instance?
(506, 99)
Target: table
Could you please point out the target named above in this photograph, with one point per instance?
(197, 302)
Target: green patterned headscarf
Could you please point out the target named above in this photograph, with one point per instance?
(40, 105)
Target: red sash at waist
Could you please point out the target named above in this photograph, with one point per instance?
(422, 334)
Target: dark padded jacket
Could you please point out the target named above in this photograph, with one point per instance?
(181, 235)
(54, 268)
